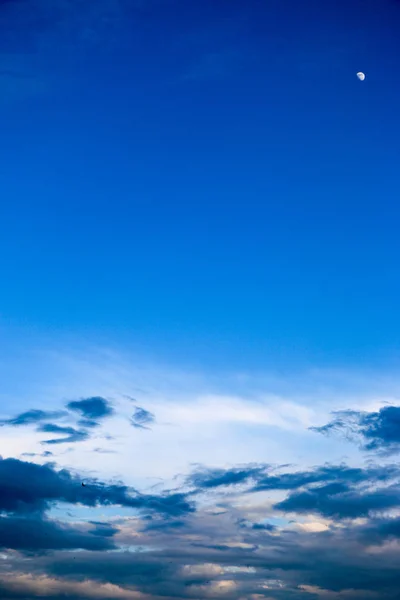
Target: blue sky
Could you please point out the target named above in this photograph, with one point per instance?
(213, 184)
(199, 256)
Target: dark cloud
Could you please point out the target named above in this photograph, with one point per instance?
(379, 531)
(71, 435)
(375, 431)
(141, 418)
(334, 561)
(27, 487)
(92, 409)
(32, 417)
(103, 529)
(257, 477)
(214, 478)
(38, 534)
(125, 568)
(174, 505)
(183, 553)
(338, 500)
(324, 474)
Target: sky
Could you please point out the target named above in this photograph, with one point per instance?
(199, 300)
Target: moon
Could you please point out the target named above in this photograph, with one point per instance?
(361, 76)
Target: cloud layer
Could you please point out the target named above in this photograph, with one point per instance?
(243, 531)
(331, 531)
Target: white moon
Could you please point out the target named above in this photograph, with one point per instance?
(361, 76)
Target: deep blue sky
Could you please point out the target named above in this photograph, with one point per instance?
(206, 179)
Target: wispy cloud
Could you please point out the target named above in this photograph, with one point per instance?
(32, 417)
(375, 431)
(70, 434)
(142, 418)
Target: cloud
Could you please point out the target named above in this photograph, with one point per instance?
(37, 533)
(103, 529)
(375, 431)
(26, 487)
(31, 417)
(214, 478)
(45, 454)
(379, 531)
(206, 553)
(338, 500)
(257, 479)
(228, 536)
(141, 418)
(92, 409)
(24, 586)
(339, 492)
(324, 474)
(177, 568)
(164, 525)
(71, 435)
